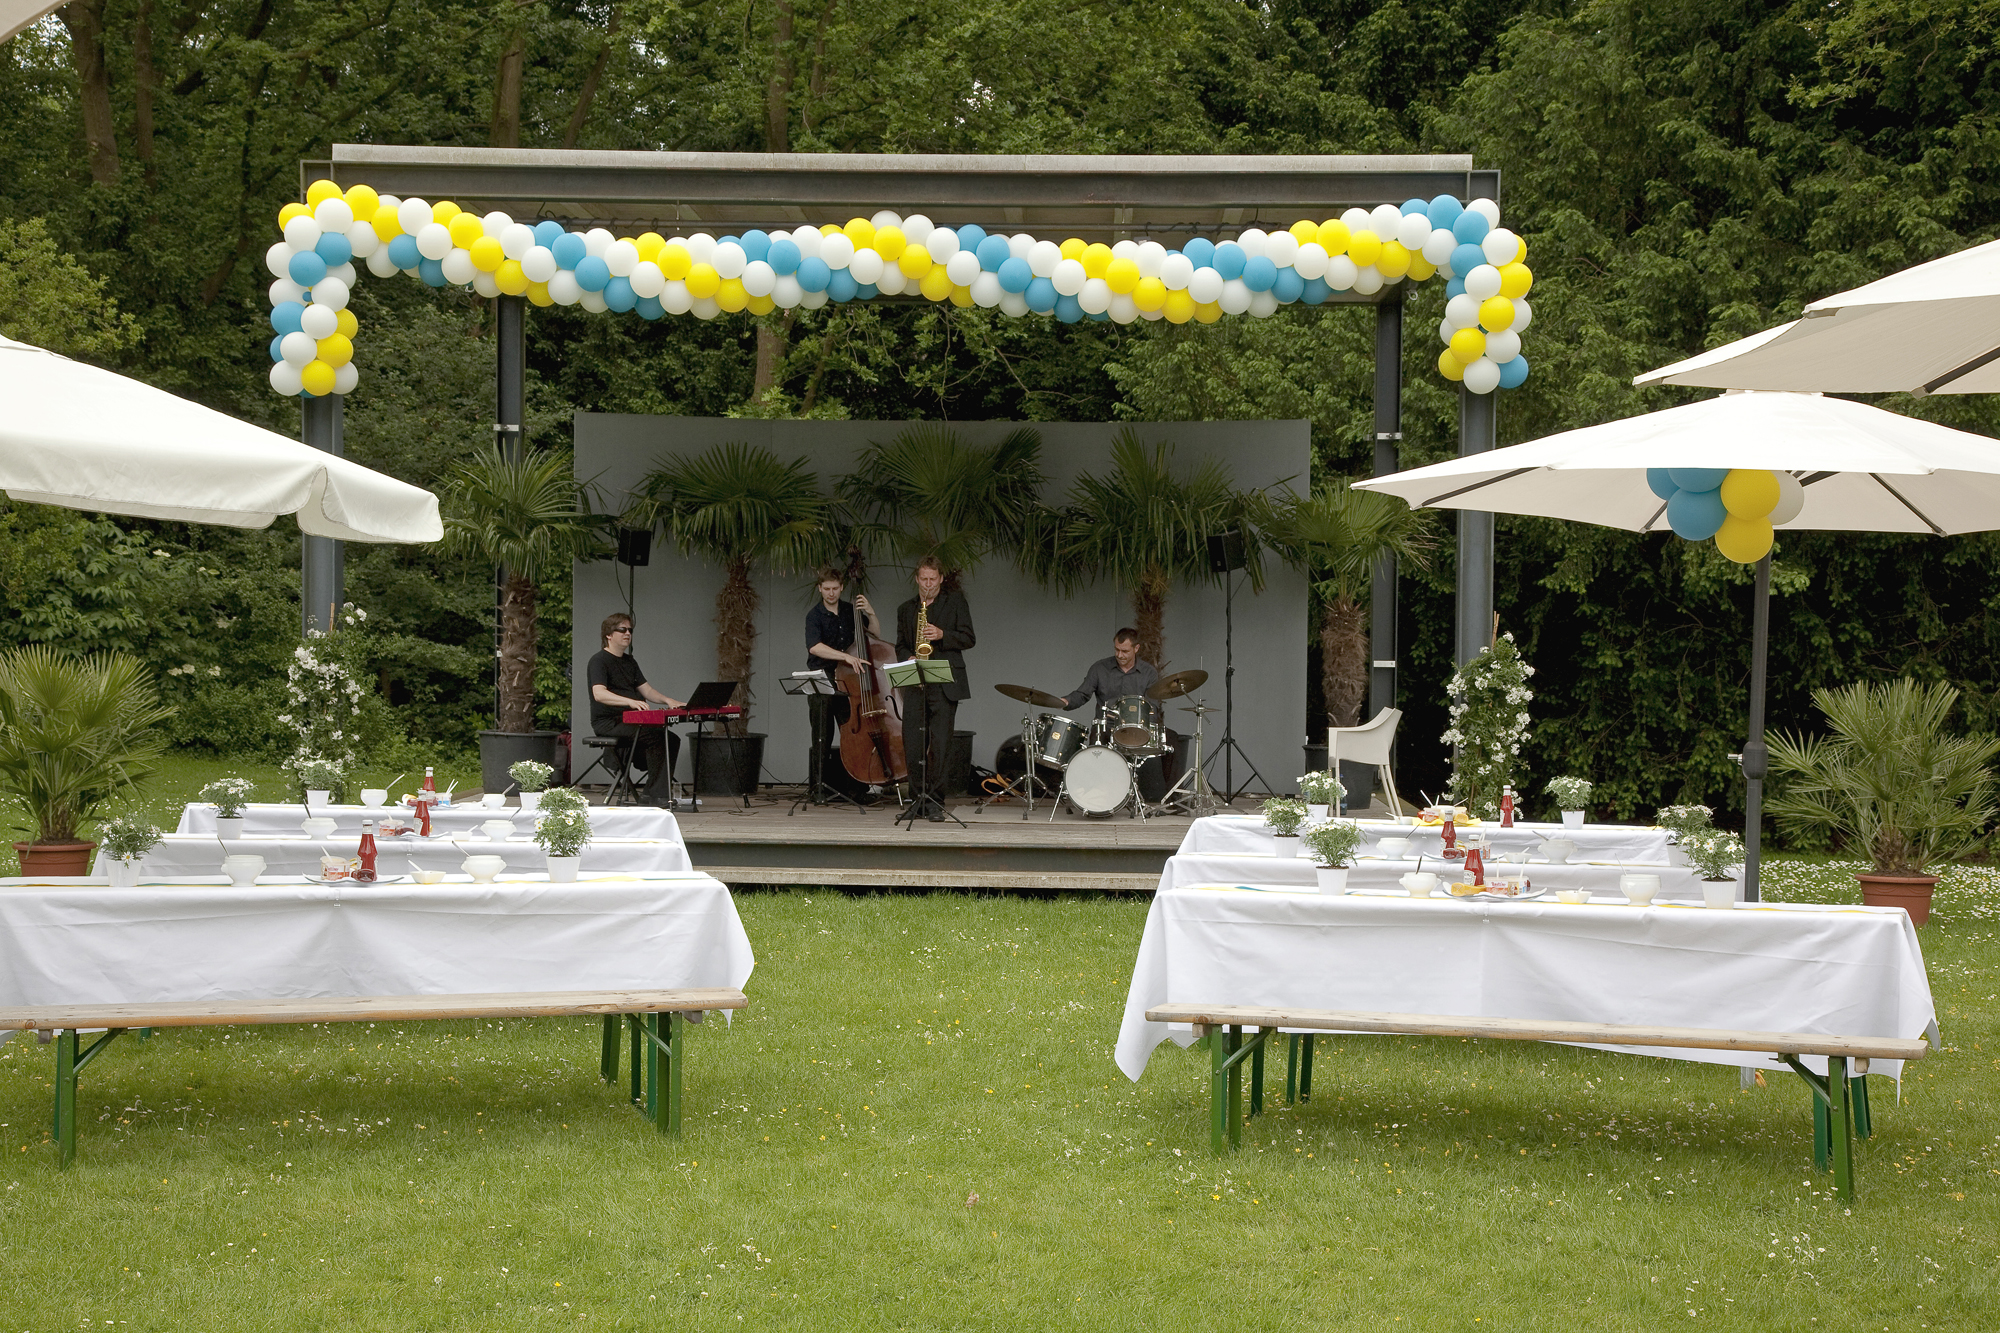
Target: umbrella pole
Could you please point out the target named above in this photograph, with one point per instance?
(1756, 759)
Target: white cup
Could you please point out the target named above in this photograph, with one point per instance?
(1719, 893)
(484, 868)
(1394, 848)
(1419, 883)
(1639, 889)
(374, 797)
(1558, 850)
(499, 829)
(494, 800)
(243, 869)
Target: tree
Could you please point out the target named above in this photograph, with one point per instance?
(928, 492)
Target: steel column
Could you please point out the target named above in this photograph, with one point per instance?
(1477, 427)
(1388, 441)
(323, 580)
(1756, 756)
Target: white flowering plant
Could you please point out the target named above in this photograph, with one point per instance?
(1714, 852)
(1681, 820)
(324, 685)
(229, 796)
(319, 775)
(1571, 793)
(128, 837)
(531, 774)
(1489, 725)
(563, 826)
(1318, 788)
(1333, 843)
(1284, 815)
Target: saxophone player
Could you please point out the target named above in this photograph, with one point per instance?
(942, 621)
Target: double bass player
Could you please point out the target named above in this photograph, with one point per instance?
(830, 639)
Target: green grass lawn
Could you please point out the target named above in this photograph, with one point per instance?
(918, 1124)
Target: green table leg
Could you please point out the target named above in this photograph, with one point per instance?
(1306, 1067)
(1840, 1111)
(1292, 1071)
(607, 1061)
(1864, 1124)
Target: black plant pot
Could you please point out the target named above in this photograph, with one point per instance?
(729, 765)
(501, 750)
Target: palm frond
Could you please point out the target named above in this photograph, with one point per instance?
(928, 492)
(739, 501)
(531, 515)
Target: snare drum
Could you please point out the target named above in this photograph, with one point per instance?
(1136, 725)
(1056, 739)
(1098, 780)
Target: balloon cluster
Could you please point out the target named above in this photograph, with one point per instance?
(888, 254)
(1737, 506)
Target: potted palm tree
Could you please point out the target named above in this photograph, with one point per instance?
(75, 734)
(742, 507)
(532, 518)
(1890, 781)
(929, 492)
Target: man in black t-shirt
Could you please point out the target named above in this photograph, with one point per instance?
(616, 684)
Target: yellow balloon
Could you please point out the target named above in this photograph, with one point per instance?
(890, 244)
(1744, 540)
(1450, 366)
(1421, 269)
(385, 222)
(509, 277)
(962, 297)
(1394, 261)
(935, 283)
(675, 261)
(649, 245)
(1334, 237)
(1179, 306)
(1515, 280)
(487, 256)
(1468, 345)
(1073, 248)
(915, 261)
(761, 305)
(861, 231)
(1122, 276)
(828, 228)
(1496, 314)
(1096, 260)
(1208, 312)
(317, 378)
(1750, 492)
(362, 200)
(444, 211)
(1364, 248)
(538, 292)
(345, 324)
(1150, 294)
(320, 191)
(465, 229)
(703, 281)
(731, 296)
(1520, 251)
(336, 351)
(1305, 230)
(290, 211)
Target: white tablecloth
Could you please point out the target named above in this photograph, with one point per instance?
(1677, 883)
(635, 822)
(1626, 843)
(1853, 971)
(194, 854)
(63, 942)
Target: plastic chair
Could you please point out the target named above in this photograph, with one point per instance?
(1374, 742)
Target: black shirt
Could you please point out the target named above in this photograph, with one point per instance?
(621, 675)
(834, 629)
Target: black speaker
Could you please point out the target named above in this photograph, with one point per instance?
(1225, 552)
(635, 546)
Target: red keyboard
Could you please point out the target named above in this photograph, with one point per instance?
(653, 717)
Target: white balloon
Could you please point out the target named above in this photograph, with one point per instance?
(1205, 286)
(866, 266)
(942, 244)
(380, 264)
(887, 218)
(1462, 311)
(1176, 271)
(807, 239)
(413, 215)
(1095, 298)
(1123, 309)
(361, 238)
(917, 230)
(495, 224)
(539, 263)
(594, 302)
(333, 214)
(810, 301)
(320, 321)
(1150, 256)
(391, 200)
(434, 241)
(1151, 316)
(1311, 260)
(787, 293)
(485, 283)
(1500, 246)
(1445, 329)
(1252, 240)
(1282, 249)
(707, 307)
(986, 290)
(759, 278)
(962, 268)
(563, 288)
(1385, 220)
(1235, 298)
(1791, 495)
(1358, 219)
(1127, 249)
(675, 299)
(893, 282)
(1439, 246)
(1069, 277)
(1482, 376)
(647, 280)
(1341, 273)
(597, 240)
(345, 377)
(343, 273)
(837, 250)
(1020, 245)
(1263, 304)
(1013, 303)
(1414, 231)
(284, 289)
(279, 260)
(285, 378)
(1503, 347)
(302, 233)
(1487, 209)
(727, 259)
(1043, 258)
(1483, 282)
(1368, 280)
(459, 268)
(329, 294)
(1522, 315)
(298, 348)
(516, 240)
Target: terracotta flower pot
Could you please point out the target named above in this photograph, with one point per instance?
(1912, 893)
(54, 858)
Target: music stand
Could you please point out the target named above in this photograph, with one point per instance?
(922, 674)
(818, 691)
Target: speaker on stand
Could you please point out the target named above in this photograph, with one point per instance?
(1226, 555)
(635, 548)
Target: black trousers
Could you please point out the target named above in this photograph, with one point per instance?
(939, 715)
(657, 750)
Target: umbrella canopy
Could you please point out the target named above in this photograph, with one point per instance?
(1863, 469)
(1934, 328)
(84, 438)
(18, 14)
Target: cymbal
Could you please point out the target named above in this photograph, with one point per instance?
(1174, 686)
(1201, 709)
(1028, 694)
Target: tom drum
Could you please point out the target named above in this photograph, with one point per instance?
(1057, 738)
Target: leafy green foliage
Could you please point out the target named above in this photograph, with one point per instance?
(928, 492)
(75, 733)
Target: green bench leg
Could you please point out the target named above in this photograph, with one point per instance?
(635, 1092)
(1257, 1080)
(1227, 1052)
(607, 1061)
(70, 1061)
(1834, 1114)
(1864, 1124)
(1292, 1070)
(677, 1035)
(659, 1042)
(653, 1068)
(1306, 1067)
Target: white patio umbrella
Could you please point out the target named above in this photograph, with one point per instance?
(1934, 328)
(85, 438)
(1861, 469)
(18, 14)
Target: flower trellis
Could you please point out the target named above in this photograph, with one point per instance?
(653, 276)
(1489, 724)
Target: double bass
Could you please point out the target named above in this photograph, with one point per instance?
(871, 740)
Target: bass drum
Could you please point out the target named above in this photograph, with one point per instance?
(1098, 780)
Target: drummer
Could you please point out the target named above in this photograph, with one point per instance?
(1115, 676)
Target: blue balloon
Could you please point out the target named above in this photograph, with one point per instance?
(403, 252)
(1471, 228)
(1041, 295)
(430, 272)
(1513, 374)
(1456, 287)
(1229, 260)
(1658, 480)
(1443, 210)
(992, 252)
(757, 245)
(1467, 257)
(784, 256)
(736, 241)
(1067, 310)
(547, 232)
(1015, 275)
(840, 285)
(866, 291)
(1259, 273)
(306, 268)
(334, 248)
(619, 296)
(1698, 478)
(569, 250)
(814, 274)
(1316, 291)
(592, 273)
(1099, 317)
(970, 235)
(285, 317)
(1415, 207)
(1200, 252)
(1696, 515)
(277, 355)
(649, 307)
(1289, 286)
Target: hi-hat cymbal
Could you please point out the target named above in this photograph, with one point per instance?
(1028, 694)
(1201, 709)
(1174, 686)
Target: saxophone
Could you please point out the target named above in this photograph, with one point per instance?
(923, 623)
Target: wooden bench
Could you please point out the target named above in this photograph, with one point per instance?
(656, 1092)
(1840, 1097)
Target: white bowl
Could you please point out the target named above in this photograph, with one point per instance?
(1394, 848)
(494, 800)
(1558, 850)
(1419, 883)
(499, 829)
(1639, 889)
(243, 869)
(1573, 896)
(429, 876)
(484, 868)
(319, 826)
(374, 797)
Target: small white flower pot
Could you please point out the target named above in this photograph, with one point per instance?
(318, 800)
(1719, 893)
(531, 800)
(1316, 813)
(121, 871)
(229, 826)
(562, 869)
(1572, 819)
(1286, 846)
(1332, 879)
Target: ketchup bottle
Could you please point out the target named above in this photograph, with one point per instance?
(1450, 831)
(426, 798)
(367, 852)
(1475, 866)
(1506, 807)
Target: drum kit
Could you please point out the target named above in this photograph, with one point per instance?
(1095, 765)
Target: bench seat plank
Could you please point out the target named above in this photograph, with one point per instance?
(363, 1008)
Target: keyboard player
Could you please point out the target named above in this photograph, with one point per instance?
(617, 684)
